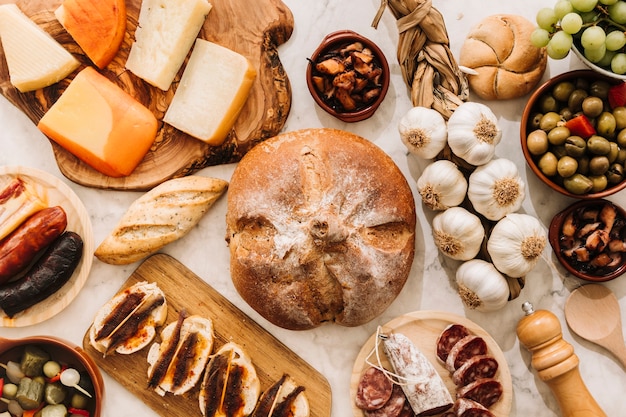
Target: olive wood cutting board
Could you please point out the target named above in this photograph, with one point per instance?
(255, 32)
(184, 289)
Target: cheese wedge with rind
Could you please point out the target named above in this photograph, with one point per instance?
(164, 36)
(101, 124)
(97, 26)
(212, 91)
(34, 58)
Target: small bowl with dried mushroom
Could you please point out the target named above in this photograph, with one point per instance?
(589, 239)
(348, 76)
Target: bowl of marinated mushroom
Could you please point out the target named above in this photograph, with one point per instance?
(589, 239)
(50, 375)
(348, 76)
(573, 134)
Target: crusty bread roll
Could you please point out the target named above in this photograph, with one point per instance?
(499, 49)
(321, 228)
(162, 215)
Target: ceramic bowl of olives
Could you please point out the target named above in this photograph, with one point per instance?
(573, 134)
(589, 239)
(51, 375)
(348, 76)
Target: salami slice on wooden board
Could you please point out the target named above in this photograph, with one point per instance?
(485, 391)
(448, 338)
(465, 349)
(391, 408)
(424, 328)
(374, 390)
(480, 366)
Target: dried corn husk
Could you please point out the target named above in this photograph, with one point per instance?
(428, 66)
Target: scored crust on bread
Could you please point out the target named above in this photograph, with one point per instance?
(177, 362)
(162, 215)
(321, 228)
(128, 321)
(508, 65)
(230, 381)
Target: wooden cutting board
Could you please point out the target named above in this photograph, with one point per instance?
(184, 289)
(255, 32)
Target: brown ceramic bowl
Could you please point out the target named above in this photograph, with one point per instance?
(332, 43)
(560, 243)
(525, 129)
(63, 352)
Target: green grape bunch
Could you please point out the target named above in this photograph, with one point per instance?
(597, 28)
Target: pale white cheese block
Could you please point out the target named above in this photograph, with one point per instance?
(34, 58)
(164, 36)
(212, 91)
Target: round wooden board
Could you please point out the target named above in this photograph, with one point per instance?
(423, 328)
(57, 194)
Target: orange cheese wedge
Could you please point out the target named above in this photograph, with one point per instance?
(100, 124)
(97, 26)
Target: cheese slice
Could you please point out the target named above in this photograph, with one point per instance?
(34, 58)
(211, 93)
(164, 36)
(100, 124)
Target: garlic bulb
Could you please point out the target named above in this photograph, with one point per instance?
(516, 244)
(481, 287)
(442, 185)
(423, 131)
(458, 233)
(496, 189)
(473, 133)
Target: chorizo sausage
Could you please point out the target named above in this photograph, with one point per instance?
(448, 338)
(48, 275)
(480, 366)
(19, 248)
(374, 389)
(485, 391)
(465, 349)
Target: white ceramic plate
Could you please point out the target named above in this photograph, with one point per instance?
(57, 194)
(423, 328)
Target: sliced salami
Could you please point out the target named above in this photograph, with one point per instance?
(485, 391)
(464, 407)
(374, 389)
(391, 408)
(464, 349)
(448, 338)
(481, 366)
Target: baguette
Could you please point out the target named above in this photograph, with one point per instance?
(162, 215)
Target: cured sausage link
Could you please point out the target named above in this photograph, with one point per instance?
(424, 389)
(19, 248)
(46, 277)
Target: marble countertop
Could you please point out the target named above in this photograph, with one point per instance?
(332, 349)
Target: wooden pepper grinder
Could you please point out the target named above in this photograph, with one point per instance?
(556, 363)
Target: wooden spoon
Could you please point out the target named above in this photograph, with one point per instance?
(593, 313)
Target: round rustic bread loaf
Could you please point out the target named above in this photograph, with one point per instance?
(499, 49)
(321, 228)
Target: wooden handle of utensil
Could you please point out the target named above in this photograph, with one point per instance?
(556, 363)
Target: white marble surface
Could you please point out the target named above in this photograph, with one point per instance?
(332, 349)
